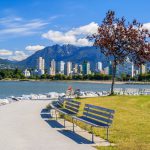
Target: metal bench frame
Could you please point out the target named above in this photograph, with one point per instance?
(96, 116)
(66, 107)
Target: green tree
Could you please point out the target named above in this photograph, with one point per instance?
(119, 40)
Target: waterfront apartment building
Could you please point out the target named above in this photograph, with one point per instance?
(126, 68)
(86, 68)
(41, 66)
(80, 69)
(60, 67)
(52, 68)
(68, 68)
(106, 70)
(142, 69)
(75, 69)
(148, 68)
(99, 67)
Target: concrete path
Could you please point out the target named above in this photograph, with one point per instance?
(23, 126)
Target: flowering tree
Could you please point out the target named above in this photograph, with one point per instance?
(119, 40)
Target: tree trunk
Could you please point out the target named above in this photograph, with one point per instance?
(113, 77)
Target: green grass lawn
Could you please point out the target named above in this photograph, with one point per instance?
(131, 127)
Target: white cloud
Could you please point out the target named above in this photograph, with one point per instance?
(87, 29)
(75, 36)
(18, 56)
(55, 17)
(84, 42)
(146, 26)
(34, 47)
(4, 52)
(59, 37)
(17, 26)
(35, 24)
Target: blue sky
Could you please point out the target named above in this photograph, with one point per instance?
(29, 25)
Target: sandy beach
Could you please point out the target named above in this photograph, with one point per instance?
(79, 81)
(23, 128)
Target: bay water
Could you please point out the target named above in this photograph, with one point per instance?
(18, 88)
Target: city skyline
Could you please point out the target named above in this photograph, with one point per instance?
(69, 68)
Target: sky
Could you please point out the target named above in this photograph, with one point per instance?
(27, 26)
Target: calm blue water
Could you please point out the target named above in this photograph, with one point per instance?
(13, 88)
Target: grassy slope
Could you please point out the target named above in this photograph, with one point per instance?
(131, 126)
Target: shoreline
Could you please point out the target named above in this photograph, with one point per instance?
(78, 81)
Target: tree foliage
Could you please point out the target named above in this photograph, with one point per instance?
(13, 74)
(119, 40)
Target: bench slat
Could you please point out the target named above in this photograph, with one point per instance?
(100, 108)
(60, 105)
(73, 101)
(98, 118)
(71, 108)
(65, 111)
(98, 112)
(91, 122)
(72, 104)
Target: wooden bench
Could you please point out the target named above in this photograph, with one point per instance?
(66, 107)
(96, 116)
(58, 104)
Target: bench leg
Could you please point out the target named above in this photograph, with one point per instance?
(53, 113)
(56, 114)
(73, 124)
(64, 123)
(92, 134)
(107, 134)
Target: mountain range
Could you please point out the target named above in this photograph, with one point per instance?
(65, 53)
(5, 63)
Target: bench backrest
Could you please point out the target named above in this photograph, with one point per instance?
(72, 105)
(97, 113)
(60, 101)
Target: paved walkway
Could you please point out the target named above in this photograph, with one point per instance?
(23, 127)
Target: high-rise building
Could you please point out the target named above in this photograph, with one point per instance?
(75, 69)
(86, 68)
(41, 65)
(80, 69)
(99, 66)
(53, 68)
(136, 72)
(61, 67)
(68, 68)
(148, 67)
(126, 68)
(142, 69)
(106, 70)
